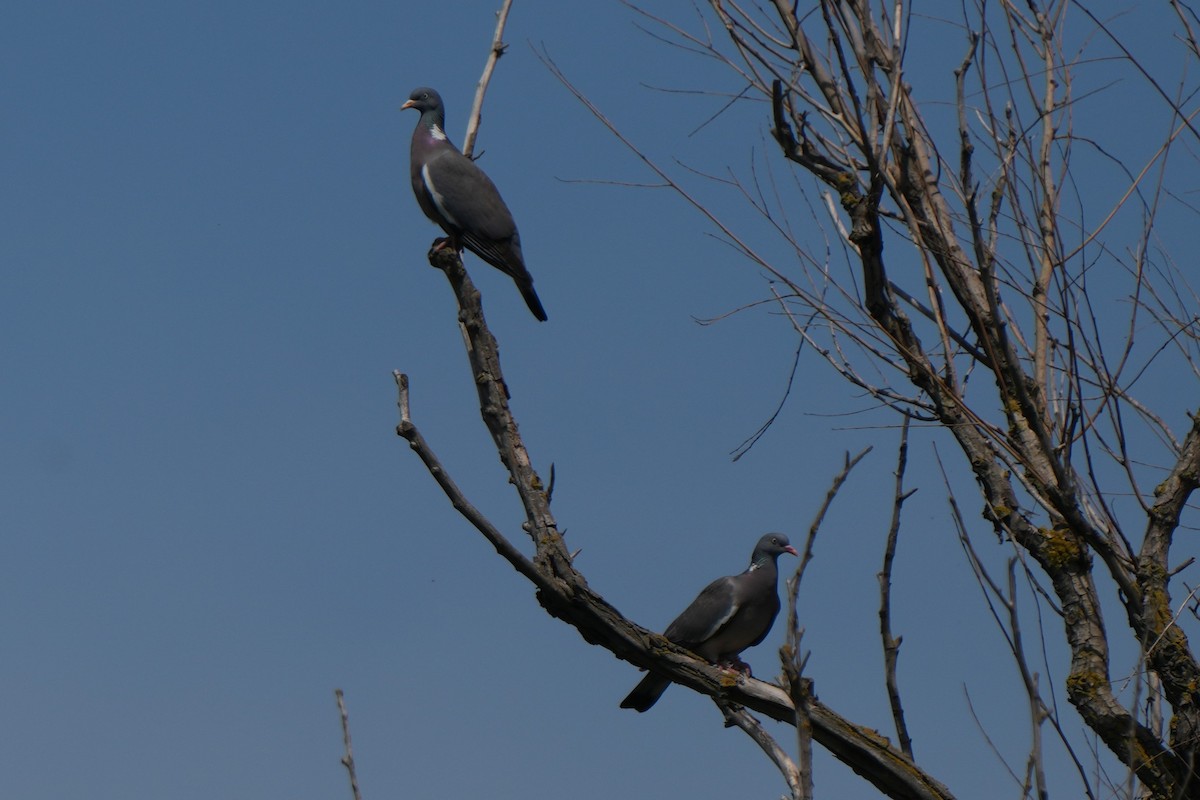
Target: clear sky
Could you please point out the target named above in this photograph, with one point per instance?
(212, 262)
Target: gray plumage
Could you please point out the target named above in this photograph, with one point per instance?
(730, 615)
(462, 200)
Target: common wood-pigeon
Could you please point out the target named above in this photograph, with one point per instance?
(731, 614)
(455, 194)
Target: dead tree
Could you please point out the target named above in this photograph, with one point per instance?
(975, 258)
(985, 283)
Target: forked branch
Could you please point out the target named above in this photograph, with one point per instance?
(565, 594)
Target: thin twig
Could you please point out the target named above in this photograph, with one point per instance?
(791, 655)
(802, 699)
(498, 48)
(834, 486)
(348, 759)
(409, 432)
(891, 644)
(736, 716)
(793, 660)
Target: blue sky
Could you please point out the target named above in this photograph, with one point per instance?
(211, 266)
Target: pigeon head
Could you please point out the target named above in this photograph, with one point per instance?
(770, 546)
(423, 99)
(427, 101)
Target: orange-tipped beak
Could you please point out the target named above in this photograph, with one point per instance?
(407, 104)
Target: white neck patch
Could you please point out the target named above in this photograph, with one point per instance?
(437, 133)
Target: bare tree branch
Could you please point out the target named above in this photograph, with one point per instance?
(348, 759)
(565, 594)
(891, 644)
(497, 50)
(739, 717)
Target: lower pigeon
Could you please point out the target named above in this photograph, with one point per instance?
(731, 614)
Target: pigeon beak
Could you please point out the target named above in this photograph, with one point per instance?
(791, 550)
(407, 104)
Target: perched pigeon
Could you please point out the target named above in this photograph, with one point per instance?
(455, 194)
(731, 614)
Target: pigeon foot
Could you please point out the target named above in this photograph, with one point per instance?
(735, 664)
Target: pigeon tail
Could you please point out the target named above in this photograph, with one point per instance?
(531, 300)
(646, 693)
